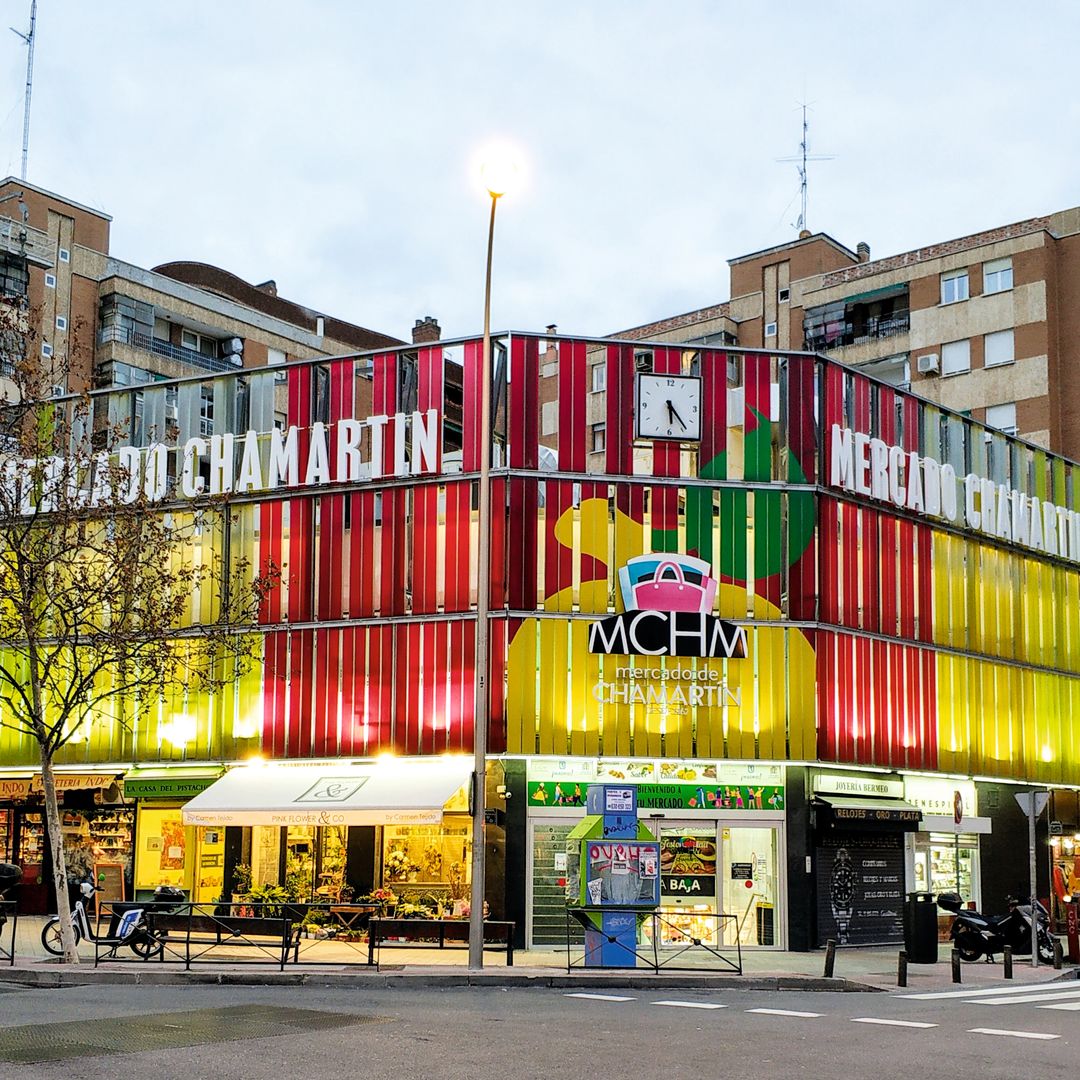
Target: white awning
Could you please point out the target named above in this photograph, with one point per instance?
(391, 792)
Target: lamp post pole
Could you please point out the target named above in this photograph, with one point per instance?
(483, 589)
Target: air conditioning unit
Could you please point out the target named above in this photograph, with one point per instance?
(928, 364)
(172, 412)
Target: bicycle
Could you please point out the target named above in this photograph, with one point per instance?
(132, 929)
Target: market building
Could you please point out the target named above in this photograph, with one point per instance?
(826, 626)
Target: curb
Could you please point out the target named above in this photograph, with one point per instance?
(51, 979)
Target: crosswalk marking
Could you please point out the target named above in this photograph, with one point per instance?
(1014, 1034)
(600, 997)
(1031, 989)
(1024, 999)
(890, 1023)
(690, 1004)
(783, 1012)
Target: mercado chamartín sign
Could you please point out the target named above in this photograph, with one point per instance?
(912, 481)
(400, 445)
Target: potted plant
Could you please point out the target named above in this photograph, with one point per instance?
(241, 883)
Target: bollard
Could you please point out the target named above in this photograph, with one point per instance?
(1008, 962)
(901, 969)
(1057, 955)
(830, 958)
(955, 966)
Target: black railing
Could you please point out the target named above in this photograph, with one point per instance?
(127, 336)
(836, 336)
(9, 922)
(660, 942)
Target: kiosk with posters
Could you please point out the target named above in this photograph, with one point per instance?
(613, 864)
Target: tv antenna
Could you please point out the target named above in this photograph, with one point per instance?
(29, 39)
(801, 160)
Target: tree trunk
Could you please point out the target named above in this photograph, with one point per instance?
(59, 860)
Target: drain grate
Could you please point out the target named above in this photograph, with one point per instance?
(164, 1031)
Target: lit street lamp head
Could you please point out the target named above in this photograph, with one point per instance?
(499, 170)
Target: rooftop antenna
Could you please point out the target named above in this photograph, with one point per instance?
(29, 39)
(800, 160)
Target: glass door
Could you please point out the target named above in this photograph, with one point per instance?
(688, 858)
(750, 892)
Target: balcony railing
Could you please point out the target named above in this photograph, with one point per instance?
(837, 335)
(127, 336)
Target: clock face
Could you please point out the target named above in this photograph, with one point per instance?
(669, 407)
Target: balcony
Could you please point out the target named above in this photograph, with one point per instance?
(840, 334)
(126, 336)
(24, 241)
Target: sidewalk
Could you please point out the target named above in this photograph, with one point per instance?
(869, 969)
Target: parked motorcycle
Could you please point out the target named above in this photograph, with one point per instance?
(976, 935)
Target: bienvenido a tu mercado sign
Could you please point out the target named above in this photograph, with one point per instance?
(398, 446)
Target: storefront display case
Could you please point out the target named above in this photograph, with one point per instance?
(5, 834)
(431, 858)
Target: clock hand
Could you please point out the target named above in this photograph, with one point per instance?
(671, 409)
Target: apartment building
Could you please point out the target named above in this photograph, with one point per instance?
(109, 323)
(986, 325)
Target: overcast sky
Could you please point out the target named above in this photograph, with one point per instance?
(330, 145)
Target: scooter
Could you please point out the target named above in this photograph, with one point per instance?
(976, 935)
(133, 930)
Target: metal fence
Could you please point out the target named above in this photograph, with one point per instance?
(661, 942)
(9, 923)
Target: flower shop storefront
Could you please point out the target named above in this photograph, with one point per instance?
(336, 833)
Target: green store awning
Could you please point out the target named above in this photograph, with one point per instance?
(183, 782)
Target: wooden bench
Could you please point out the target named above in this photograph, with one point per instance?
(206, 932)
(419, 933)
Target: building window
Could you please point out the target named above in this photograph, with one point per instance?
(281, 421)
(954, 286)
(783, 296)
(65, 255)
(997, 276)
(599, 378)
(46, 349)
(770, 329)
(200, 343)
(599, 437)
(206, 411)
(955, 357)
(549, 417)
(998, 348)
(14, 277)
(1002, 417)
(61, 322)
(50, 281)
(138, 409)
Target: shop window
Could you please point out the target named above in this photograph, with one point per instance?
(427, 863)
(954, 286)
(997, 276)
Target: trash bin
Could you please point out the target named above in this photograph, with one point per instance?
(920, 928)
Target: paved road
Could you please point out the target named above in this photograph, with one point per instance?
(515, 1033)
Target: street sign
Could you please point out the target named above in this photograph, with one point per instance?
(1023, 799)
(1056, 828)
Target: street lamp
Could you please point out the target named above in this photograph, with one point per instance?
(498, 172)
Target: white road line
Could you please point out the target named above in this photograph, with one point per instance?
(1023, 999)
(1014, 1034)
(1032, 989)
(689, 1004)
(890, 1023)
(1065, 1006)
(782, 1012)
(601, 997)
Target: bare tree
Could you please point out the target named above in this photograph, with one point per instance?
(102, 583)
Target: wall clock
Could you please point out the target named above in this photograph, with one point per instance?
(668, 407)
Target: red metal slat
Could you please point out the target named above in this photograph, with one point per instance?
(908, 555)
(435, 661)
(924, 545)
(826, 696)
(470, 411)
(849, 517)
(468, 684)
(320, 702)
(523, 428)
(619, 417)
(497, 688)
(871, 575)
(497, 585)
(830, 560)
(347, 742)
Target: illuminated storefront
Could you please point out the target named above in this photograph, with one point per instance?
(753, 567)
